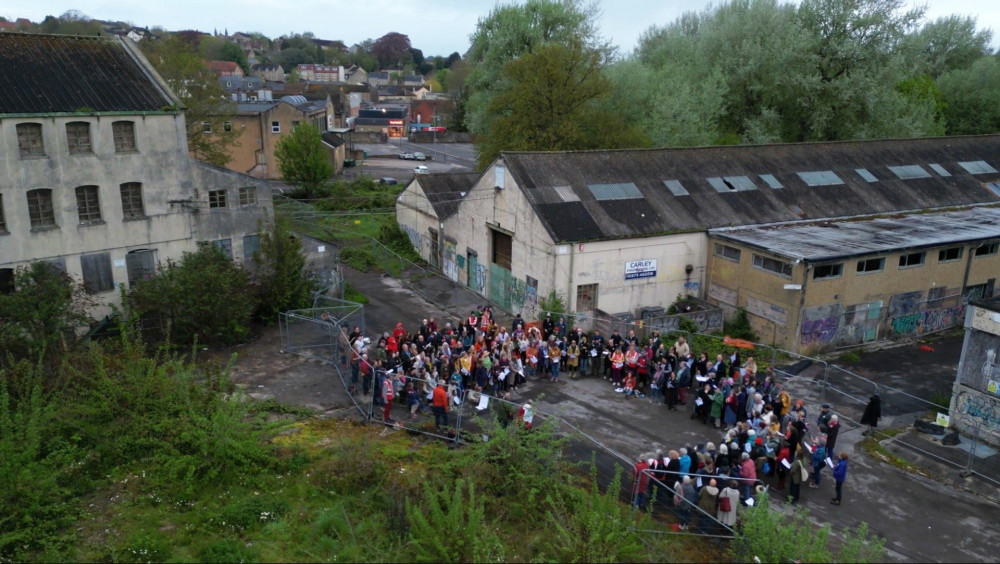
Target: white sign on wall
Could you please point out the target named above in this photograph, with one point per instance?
(640, 269)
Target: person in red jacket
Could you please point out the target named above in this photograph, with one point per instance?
(439, 404)
(640, 482)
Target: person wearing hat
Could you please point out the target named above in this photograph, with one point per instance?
(439, 405)
(547, 326)
(823, 421)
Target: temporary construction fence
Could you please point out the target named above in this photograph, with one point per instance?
(849, 394)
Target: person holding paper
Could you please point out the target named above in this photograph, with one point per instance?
(839, 475)
(573, 359)
(783, 463)
(818, 462)
(799, 473)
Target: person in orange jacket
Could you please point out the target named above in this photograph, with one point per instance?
(439, 404)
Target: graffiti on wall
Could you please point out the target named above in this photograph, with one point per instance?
(859, 323)
(928, 321)
(481, 278)
(707, 321)
(450, 263)
(768, 311)
(415, 239)
(723, 294)
(531, 296)
(819, 324)
(978, 406)
(905, 304)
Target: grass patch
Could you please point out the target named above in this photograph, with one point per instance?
(352, 294)
(850, 356)
(872, 446)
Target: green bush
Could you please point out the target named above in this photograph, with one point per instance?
(204, 298)
(282, 278)
(452, 527)
(739, 327)
(771, 536)
(143, 547)
(358, 257)
(397, 241)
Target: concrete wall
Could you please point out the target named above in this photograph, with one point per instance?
(565, 267)
(416, 217)
(174, 192)
(975, 402)
(852, 308)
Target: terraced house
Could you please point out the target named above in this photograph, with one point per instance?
(95, 176)
(824, 244)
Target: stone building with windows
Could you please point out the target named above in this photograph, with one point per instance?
(619, 231)
(95, 176)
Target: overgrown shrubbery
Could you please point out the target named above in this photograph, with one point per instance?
(739, 327)
(204, 298)
(770, 536)
(280, 274)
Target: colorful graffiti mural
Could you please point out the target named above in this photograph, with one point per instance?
(819, 324)
(928, 321)
(980, 407)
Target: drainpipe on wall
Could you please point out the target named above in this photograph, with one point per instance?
(968, 268)
(570, 305)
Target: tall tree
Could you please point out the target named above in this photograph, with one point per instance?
(948, 43)
(393, 50)
(302, 160)
(202, 97)
(513, 30)
(551, 102)
(972, 98)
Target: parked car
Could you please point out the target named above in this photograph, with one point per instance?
(420, 156)
(438, 129)
(422, 169)
(388, 181)
(406, 156)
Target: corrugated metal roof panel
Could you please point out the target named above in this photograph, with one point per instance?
(868, 176)
(44, 74)
(817, 241)
(621, 191)
(771, 181)
(820, 178)
(566, 193)
(909, 172)
(705, 208)
(676, 188)
(939, 169)
(977, 167)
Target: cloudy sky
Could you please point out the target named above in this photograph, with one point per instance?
(437, 27)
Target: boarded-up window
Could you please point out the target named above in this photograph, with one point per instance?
(97, 276)
(78, 137)
(87, 204)
(124, 134)
(29, 140)
(502, 249)
(141, 265)
(40, 210)
(132, 201)
(586, 297)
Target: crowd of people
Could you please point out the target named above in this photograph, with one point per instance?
(763, 436)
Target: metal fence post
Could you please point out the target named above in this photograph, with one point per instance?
(458, 417)
(972, 451)
(826, 381)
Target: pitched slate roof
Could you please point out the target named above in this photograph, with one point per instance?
(828, 240)
(445, 190)
(590, 195)
(42, 74)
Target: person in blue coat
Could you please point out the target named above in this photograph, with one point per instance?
(839, 475)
